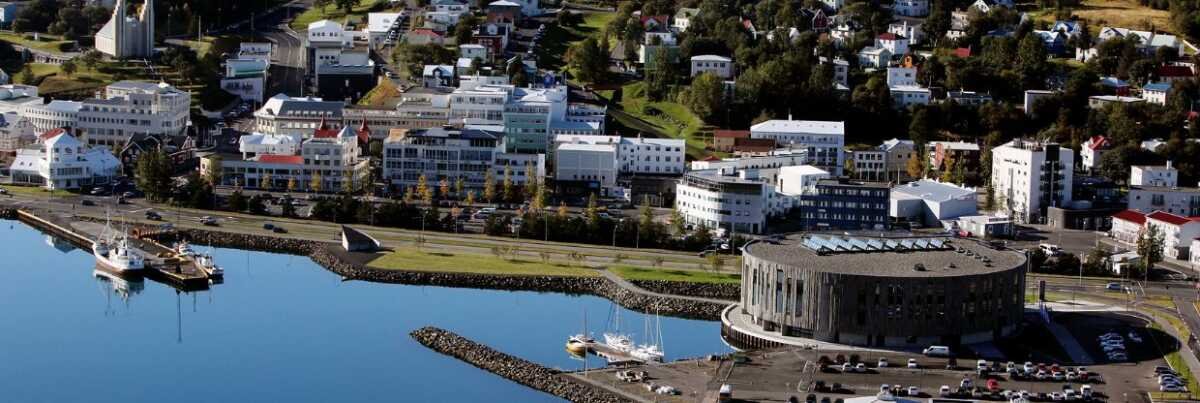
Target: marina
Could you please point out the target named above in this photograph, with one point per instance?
(275, 316)
(154, 261)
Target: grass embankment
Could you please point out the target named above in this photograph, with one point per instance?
(557, 38)
(384, 94)
(660, 119)
(330, 12)
(691, 276)
(51, 79)
(46, 43)
(409, 258)
(34, 191)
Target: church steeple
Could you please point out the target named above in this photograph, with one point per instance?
(146, 25)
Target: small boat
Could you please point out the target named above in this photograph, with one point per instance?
(206, 263)
(578, 344)
(118, 256)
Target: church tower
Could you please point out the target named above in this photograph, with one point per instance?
(120, 30)
(146, 26)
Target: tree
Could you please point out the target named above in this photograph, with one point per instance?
(266, 181)
(424, 191)
(592, 213)
(347, 5)
(563, 213)
(706, 96)
(678, 226)
(920, 129)
(315, 182)
(489, 187)
(459, 185)
(916, 166)
(322, 4)
(27, 76)
(153, 175)
(444, 188)
(90, 59)
(215, 168)
(1150, 244)
(539, 198)
(291, 185)
(531, 186)
(348, 182)
(465, 29)
(660, 74)
(237, 201)
(587, 60)
(470, 199)
(509, 191)
(68, 67)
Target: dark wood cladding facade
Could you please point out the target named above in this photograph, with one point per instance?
(875, 310)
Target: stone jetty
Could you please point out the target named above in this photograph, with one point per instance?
(512, 368)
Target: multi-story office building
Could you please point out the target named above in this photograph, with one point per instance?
(54, 115)
(452, 153)
(637, 155)
(841, 204)
(1028, 177)
(328, 161)
(886, 162)
(591, 163)
(481, 105)
(282, 114)
(727, 198)
(1184, 201)
(535, 115)
(823, 140)
(766, 165)
(134, 107)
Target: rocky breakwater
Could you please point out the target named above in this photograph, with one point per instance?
(729, 292)
(512, 368)
(353, 266)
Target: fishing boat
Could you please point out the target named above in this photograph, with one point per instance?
(204, 261)
(124, 286)
(116, 253)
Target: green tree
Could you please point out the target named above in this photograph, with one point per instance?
(531, 186)
(465, 29)
(315, 182)
(678, 226)
(508, 189)
(1150, 244)
(424, 191)
(153, 175)
(592, 213)
(347, 5)
(68, 68)
(587, 60)
(237, 201)
(706, 96)
(459, 185)
(660, 74)
(27, 76)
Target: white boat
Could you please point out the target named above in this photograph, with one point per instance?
(578, 344)
(206, 263)
(615, 339)
(652, 350)
(118, 256)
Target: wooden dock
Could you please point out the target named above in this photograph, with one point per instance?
(161, 263)
(614, 356)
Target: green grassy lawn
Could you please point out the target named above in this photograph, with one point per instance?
(54, 81)
(409, 258)
(692, 276)
(558, 38)
(673, 120)
(34, 191)
(46, 43)
(384, 94)
(332, 13)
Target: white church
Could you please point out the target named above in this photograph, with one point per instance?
(126, 36)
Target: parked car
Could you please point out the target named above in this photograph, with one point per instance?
(268, 226)
(1050, 249)
(912, 363)
(153, 216)
(279, 230)
(914, 391)
(883, 362)
(944, 391)
(936, 351)
(1113, 286)
(87, 202)
(209, 221)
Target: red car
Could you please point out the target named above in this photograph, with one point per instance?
(993, 386)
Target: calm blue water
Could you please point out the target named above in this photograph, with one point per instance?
(280, 329)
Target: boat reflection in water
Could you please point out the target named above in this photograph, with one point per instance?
(58, 243)
(123, 285)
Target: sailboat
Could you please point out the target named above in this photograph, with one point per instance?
(651, 351)
(617, 340)
(116, 253)
(578, 344)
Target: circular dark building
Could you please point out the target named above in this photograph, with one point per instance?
(897, 292)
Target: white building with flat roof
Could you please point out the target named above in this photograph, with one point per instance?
(595, 163)
(765, 166)
(730, 199)
(297, 116)
(798, 180)
(134, 107)
(17, 97)
(1183, 201)
(54, 115)
(930, 202)
(1154, 175)
(1028, 177)
(823, 140)
(636, 155)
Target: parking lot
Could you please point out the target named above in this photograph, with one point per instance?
(780, 374)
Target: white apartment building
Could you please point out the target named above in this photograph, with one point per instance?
(1184, 201)
(1028, 177)
(596, 163)
(765, 166)
(63, 162)
(822, 140)
(911, 8)
(133, 107)
(16, 132)
(901, 76)
(382, 28)
(721, 66)
(729, 199)
(17, 97)
(297, 116)
(799, 180)
(904, 96)
(483, 104)
(54, 115)
(261, 143)
(324, 43)
(1154, 175)
(330, 157)
(636, 155)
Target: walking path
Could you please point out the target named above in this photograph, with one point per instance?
(623, 283)
(1070, 344)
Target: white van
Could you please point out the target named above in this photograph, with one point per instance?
(1050, 249)
(936, 351)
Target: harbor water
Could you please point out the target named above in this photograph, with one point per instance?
(279, 329)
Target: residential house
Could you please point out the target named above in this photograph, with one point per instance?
(16, 132)
(1154, 175)
(329, 160)
(1100, 101)
(1148, 42)
(8, 14)
(895, 44)
(721, 66)
(911, 8)
(907, 29)
(1092, 150)
(424, 36)
(683, 18)
(904, 96)
(1171, 73)
(724, 140)
(874, 57)
(1156, 93)
(1031, 98)
(968, 98)
(1055, 42)
(438, 76)
(961, 153)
